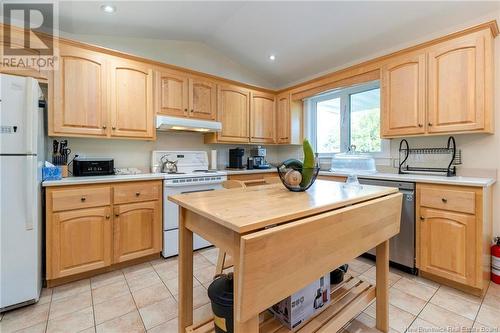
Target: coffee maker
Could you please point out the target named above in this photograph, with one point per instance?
(258, 155)
(236, 158)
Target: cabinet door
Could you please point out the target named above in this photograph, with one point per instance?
(80, 240)
(283, 119)
(79, 104)
(403, 96)
(448, 245)
(457, 85)
(233, 112)
(202, 99)
(262, 115)
(137, 230)
(172, 94)
(131, 99)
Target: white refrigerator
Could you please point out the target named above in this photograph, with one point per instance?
(21, 159)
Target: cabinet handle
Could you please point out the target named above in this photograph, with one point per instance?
(420, 125)
(137, 194)
(116, 214)
(430, 124)
(82, 199)
(422, 218)
(107, 217)
(444, 200)
(185, 110)
(192, 110)
(113, 128)
(103, 126)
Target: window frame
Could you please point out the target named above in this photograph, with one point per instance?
(345, 118)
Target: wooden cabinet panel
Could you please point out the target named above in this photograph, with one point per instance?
(283, 119)
(457, 84)
(202, 99)
(79, 90)
(448, 244)
(80, 197)
(28, 64)
(403, 96)
(172, 94)
(234, 113)
(80, 241)
(131, 99)
(137, 230)
(262, 115)
(136, 192)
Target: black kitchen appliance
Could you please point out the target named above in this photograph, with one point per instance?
(259, 158)
(93, 166)
(236, 158)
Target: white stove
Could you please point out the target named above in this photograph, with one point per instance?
(192, 176)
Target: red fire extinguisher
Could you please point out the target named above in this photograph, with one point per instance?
(495, 261)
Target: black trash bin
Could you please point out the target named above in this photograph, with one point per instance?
(220, 293)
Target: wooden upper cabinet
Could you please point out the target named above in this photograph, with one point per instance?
(283, 118)
(171, 94)
(457, 84)
(80, 241)
(79, 94)
(131, 95)
(202, 99)
(448, 245)
(262, 117)
(234, 113)
(137, 229)
(403, 97)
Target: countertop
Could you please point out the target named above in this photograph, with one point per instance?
(456, 180)
(246, 171)
(102, 179)
(272, 204)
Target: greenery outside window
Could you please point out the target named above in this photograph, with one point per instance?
(344, 117)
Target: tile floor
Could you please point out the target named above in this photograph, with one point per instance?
(144, 298)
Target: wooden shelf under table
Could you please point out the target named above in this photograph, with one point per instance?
(348, 298)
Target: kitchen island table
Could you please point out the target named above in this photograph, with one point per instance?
(281, 241)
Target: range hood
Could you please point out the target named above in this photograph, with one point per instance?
(167, 123)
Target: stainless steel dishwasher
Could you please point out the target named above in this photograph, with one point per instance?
(402, 246)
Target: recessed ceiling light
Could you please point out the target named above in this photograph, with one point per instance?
(108, 9)
(272, 57)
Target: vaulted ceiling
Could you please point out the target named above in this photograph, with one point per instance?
(307, 37)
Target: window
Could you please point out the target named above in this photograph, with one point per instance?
(345, 117)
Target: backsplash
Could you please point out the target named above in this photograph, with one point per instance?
(137, 154)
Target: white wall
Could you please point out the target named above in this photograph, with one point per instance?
(192, 55)
(137, 154)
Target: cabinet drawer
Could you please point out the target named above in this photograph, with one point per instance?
(81, 197)
(448, 199)
(137, 192)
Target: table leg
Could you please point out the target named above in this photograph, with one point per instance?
(185, 273)
(382, 288)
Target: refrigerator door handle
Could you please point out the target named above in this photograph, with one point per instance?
(31, 195)
(32, 116)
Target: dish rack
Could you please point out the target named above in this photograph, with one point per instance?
(451, 149)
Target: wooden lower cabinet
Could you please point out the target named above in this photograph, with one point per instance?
(136, 227)
(80, 240)
(96, 232)
(453, 235)
(448, 243)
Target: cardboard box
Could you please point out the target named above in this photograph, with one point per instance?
(296, 309)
